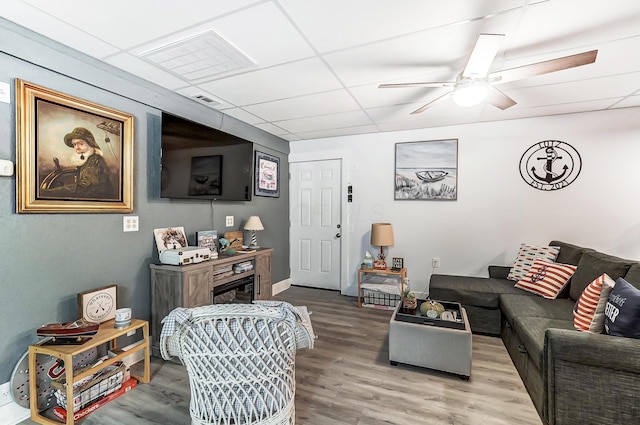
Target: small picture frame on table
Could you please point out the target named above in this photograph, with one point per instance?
(397, 264)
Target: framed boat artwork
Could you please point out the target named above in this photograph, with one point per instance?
(427, 170)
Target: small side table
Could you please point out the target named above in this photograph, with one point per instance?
(371, 277)
(107, 334)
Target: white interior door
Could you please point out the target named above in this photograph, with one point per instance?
(315, 212)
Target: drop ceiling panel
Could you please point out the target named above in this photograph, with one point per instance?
(422, 53)
(334, 132)
(145, 70)
(323, 122)
(138, 17)
(55, 29)
(275, 83)
(337, 24)
(305, 106)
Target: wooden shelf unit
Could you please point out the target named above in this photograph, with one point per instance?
(193, 285)
(362, 273)
(107, 334)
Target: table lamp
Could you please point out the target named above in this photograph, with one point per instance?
(381, 235)
(254, 224)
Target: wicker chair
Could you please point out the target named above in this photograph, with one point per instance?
(240, 359)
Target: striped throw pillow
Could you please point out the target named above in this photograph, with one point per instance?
(588, 313)
(546, 278)
(527, 255)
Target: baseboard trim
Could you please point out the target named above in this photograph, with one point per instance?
(281, 286)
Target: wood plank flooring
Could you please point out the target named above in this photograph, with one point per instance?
(347, 379)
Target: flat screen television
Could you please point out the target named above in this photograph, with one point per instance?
(200, 162)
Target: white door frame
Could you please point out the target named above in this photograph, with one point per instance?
(346, 264)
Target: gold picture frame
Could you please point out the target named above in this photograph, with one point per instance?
(73, 156)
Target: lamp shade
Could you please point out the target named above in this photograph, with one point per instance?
(381, 234)
(254, 223)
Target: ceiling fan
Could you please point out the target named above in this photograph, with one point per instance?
(474, 84)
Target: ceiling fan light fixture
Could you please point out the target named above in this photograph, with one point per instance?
(470, 93)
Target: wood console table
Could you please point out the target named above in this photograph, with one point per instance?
(193, 285)
(107, 334)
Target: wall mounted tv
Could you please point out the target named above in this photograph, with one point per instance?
(200, 162)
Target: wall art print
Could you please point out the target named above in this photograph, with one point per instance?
(427, 170)
(73, 156)
(267, 173)
(550, 165)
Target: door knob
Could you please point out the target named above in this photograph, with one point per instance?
(338, 235)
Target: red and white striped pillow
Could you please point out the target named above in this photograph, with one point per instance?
(546, 278)
(588, 313)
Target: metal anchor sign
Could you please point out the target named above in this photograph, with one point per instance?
(550, 165)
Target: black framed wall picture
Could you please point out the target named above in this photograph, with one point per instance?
(267, 175)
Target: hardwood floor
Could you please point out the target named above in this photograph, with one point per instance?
(347, 379)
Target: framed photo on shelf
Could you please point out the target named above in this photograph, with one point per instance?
(267, 175)
(397, 264)
(208, 239)
(73, 156)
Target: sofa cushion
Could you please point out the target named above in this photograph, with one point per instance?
(633, 275)
(531, 332)
(527, 255)
(513, 306)
(546, 278)
(569, 253)
(622, 313)
(591, 265)
(588, 313)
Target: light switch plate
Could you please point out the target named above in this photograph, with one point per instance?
(130, 223)
(6, 168)
(5, 92)
(229, 221)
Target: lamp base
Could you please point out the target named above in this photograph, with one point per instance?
(379, 265)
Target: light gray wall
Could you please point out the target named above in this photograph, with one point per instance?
(46, 259)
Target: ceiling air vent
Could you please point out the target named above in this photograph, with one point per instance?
(206, 99)
(200, 56)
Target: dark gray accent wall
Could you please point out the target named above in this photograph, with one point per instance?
(46, 259)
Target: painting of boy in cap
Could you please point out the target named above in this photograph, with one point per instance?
(91, 176)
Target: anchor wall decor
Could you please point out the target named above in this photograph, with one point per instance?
(550, 165)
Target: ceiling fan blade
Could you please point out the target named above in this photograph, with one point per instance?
(544, 67)
(426, 84)
(499, 99)
(482, 56)
(433, 102)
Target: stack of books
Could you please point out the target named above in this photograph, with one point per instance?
(245, 266)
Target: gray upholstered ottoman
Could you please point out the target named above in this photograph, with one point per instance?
(433, 347)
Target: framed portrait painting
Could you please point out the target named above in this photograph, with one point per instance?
(427, 170)
(73, 156)
(267, 173)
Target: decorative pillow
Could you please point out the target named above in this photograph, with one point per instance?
(527, 255)
(546, 278)
(588, 313)
(622, 312)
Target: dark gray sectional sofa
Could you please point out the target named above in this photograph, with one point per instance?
(572, 377)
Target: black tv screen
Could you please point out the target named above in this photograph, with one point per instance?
(201, 162)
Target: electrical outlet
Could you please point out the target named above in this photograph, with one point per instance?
(229, 221)
(5, 394)
(130, 223)
(435, 262)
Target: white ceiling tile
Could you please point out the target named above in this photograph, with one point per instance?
(264, 34)
(322, 122)
(565, 108)
(305, 106)
(143, 69)
(337, 24)
(144, 20)
(54, 28)
(334, 132)
(275, 83)
(628, 102)
(193, 91)
(371, 96)
(273, 129)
